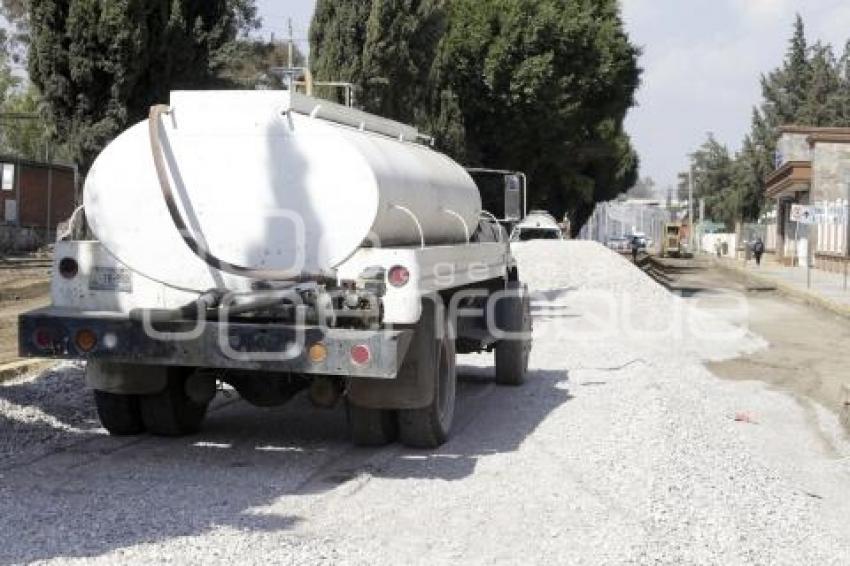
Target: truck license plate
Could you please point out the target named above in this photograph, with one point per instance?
(111, 279)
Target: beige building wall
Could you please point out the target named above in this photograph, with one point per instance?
(793, 147)
(830, 172)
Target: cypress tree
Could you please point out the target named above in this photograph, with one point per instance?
(402, 37)
(337, 37)
(822, 105)
(100, 64)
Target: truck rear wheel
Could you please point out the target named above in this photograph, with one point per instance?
(120, 415)
(434, 355)
(171, 412)
(372, 427)
(514, 316)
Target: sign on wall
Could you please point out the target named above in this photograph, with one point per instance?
(807, 214)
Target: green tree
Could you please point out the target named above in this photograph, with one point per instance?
(100, 64)
(544, 86)
(337, 37)
(8, 81)
(786, 88)
(537, 85)
(713, 169)
(402, 37)
(821, 105)
(249, 63)
(386, 48)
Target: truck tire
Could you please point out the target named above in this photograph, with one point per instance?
(513, 314)
(372, 427)
(171, 412)
(120, 415)
(434, 356)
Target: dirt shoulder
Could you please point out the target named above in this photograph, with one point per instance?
(21, 289)
(807, 356)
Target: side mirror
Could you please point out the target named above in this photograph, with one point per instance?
(513, 198)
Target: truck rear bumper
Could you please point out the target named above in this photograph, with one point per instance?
(65, 334)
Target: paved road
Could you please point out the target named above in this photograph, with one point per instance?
(622, 448)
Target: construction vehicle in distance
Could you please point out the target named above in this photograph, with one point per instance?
(675, 243)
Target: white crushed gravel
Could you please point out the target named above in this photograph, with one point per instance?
(622, 448)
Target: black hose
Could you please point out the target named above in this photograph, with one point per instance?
(189, 238)
(191, 311)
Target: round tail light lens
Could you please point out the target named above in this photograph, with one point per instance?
(43, 338)
(68, 267)
(361, 355)
(398, 276)
(85, 340)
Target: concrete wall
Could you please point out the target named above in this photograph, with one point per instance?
(710, 241)
(617, 219)
(793, 147)
(831, 172)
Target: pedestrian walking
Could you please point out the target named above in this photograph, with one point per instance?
(758, 250)
(635, 248)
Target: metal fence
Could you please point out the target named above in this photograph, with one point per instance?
(619, 219)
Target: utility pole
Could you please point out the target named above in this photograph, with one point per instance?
(691, 205)
(291, 44)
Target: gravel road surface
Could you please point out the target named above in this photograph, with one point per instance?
(622, 448)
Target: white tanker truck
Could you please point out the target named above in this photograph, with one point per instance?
(277, 242)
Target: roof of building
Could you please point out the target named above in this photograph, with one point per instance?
(32, 163)
(793, 129)
(819, 135)
(792, 177)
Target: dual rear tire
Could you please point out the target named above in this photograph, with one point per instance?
(430, 361)
(171, 412)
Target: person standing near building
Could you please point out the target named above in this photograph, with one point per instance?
(635, 248)
(758, 250)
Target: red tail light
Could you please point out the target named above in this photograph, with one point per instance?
(43, 338)
(361, 355)
(398, 276)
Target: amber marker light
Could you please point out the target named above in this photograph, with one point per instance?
(318, 353)
(85, 340)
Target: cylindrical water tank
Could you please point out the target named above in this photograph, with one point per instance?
(267, 187)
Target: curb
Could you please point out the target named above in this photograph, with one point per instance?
(18, 368)
(803, 295)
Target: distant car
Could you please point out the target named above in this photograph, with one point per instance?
(526, 234)
(620, 245)
(538, 225)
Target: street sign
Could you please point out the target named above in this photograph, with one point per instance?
(803, 214)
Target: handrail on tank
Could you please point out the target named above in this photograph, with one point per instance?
(415, 221)
(492, 216)
(451, 212)
(351, 117)
(186, 233)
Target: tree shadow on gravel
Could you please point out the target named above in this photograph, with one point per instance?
(38, 415)
(88, 498)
